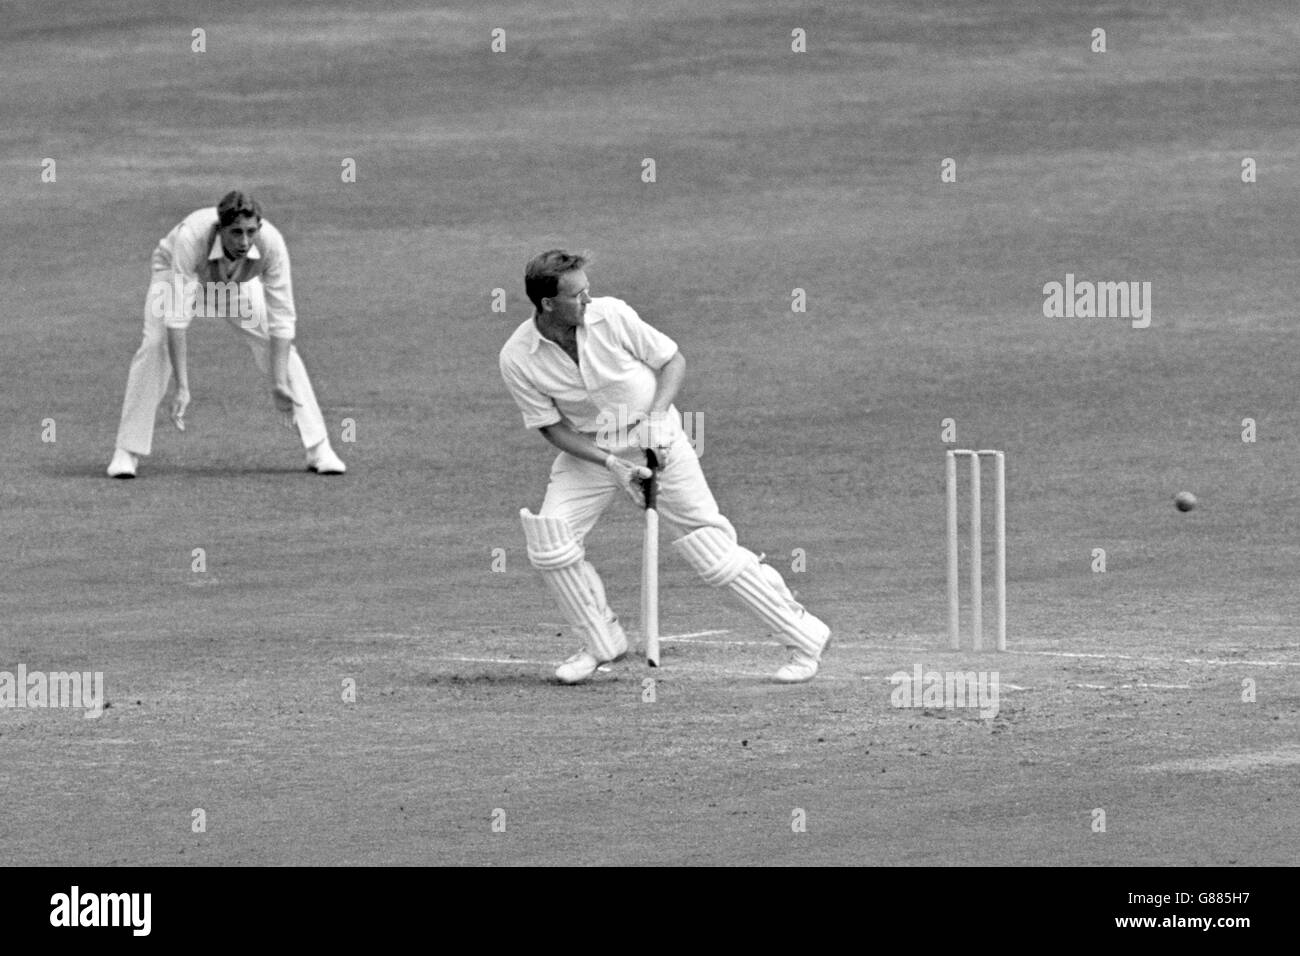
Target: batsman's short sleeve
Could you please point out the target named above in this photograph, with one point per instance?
(537, 408)
(640, 338)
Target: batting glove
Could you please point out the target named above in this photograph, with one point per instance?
(629, 477)
(656, 432)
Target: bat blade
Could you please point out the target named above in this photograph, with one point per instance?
(650, 564)
(650, 587)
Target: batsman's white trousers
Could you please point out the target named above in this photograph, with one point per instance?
(151, 370)
(580, 491)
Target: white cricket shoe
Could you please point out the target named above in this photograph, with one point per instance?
(803, 666)
(322, 460)
(577, 668)
(581, 666)
(123, 464)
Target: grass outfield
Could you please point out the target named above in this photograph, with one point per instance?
(1123, 691)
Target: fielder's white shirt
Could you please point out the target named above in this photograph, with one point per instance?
(613, 381)
(192, 252)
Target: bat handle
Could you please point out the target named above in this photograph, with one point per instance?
(651, 492)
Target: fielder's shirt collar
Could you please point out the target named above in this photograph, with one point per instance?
(219, 251)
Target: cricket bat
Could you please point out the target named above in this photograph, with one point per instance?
(650, 565)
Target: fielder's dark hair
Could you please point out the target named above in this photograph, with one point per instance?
(542, 275)
(235, 205)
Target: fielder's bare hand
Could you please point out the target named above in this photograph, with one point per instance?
(285, 403)
(180, 402)
(629, 477)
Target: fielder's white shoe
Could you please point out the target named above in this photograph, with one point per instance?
(123, 464)
(803, 667)
(322, 460)
(580, 667)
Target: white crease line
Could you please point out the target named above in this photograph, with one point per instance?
(1139, 685)
(693, 637)
(489, 660)
(1002, 685)
(674, 670)
(893, 649)
(1230, 763)
(1159, 660)
(673, 640)
(1264, 627)
(518, 660)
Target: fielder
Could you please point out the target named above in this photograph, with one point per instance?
(599, 384)
(228, 262)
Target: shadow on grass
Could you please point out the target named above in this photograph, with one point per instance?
(164, 470)
(531, 678)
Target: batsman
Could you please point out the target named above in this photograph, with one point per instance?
(599, 384)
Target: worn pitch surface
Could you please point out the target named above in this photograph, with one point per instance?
(1164, 691)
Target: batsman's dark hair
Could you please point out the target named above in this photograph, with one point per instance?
(542, 275)
(235, 205)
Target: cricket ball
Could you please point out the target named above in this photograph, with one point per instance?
(1184, 501)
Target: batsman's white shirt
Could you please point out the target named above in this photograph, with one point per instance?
(613, 382)
(619, 356)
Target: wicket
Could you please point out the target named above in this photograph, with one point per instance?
(976, 570)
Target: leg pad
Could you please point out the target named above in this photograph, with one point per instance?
(559, 556)
(721, 562)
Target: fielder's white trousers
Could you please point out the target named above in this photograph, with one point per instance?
(151, 370)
